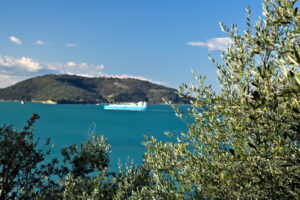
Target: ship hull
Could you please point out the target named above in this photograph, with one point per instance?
(112, 107)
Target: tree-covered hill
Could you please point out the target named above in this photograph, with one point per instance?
(77, 89)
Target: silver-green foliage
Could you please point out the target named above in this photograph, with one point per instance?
(26, 174)
(92, 156)
(89, 177)
(25, 171)
(244, 142)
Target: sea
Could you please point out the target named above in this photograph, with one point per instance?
(67, 124)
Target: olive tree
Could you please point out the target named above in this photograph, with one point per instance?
(24, 170)
(244, 141)
(124, 184)
(88, 176)
(26, 173)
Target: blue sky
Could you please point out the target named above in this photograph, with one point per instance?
(157, 40)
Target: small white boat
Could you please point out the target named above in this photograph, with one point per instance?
(139, 106)
(23, 102)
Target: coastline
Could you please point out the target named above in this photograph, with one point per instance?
(56, 103)
(34, 101)
(45, 102)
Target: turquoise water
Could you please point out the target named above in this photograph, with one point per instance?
(71, 124)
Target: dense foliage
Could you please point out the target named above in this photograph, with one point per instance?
(77, 89)
(24, 173)
(243, 143)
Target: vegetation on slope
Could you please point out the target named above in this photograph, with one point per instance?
(77, 89)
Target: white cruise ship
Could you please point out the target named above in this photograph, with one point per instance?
(139, 106)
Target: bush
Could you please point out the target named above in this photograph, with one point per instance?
(244, 143)
(24, 173)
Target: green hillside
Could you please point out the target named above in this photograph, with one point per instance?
(77, 89)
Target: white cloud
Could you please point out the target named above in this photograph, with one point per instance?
(74, 68)
(27, 64)
(100, 67)
(213, 43)
(83, 66)
(40, 42)
(17, 69)
(84, 75)
(71, 64)
(126, 76)
(71, 45)
(13, 70)
(15, 40)
(7, 80)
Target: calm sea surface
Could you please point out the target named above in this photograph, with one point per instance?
(71, 124)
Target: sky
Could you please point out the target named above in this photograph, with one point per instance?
(161, 41)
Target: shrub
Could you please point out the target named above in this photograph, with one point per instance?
(244, 142)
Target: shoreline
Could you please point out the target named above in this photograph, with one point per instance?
(33, 101)
(45, 102)
(50, 102)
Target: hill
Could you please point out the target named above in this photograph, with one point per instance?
(77, 89)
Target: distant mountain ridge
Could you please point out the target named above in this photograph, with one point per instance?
(83, 90)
